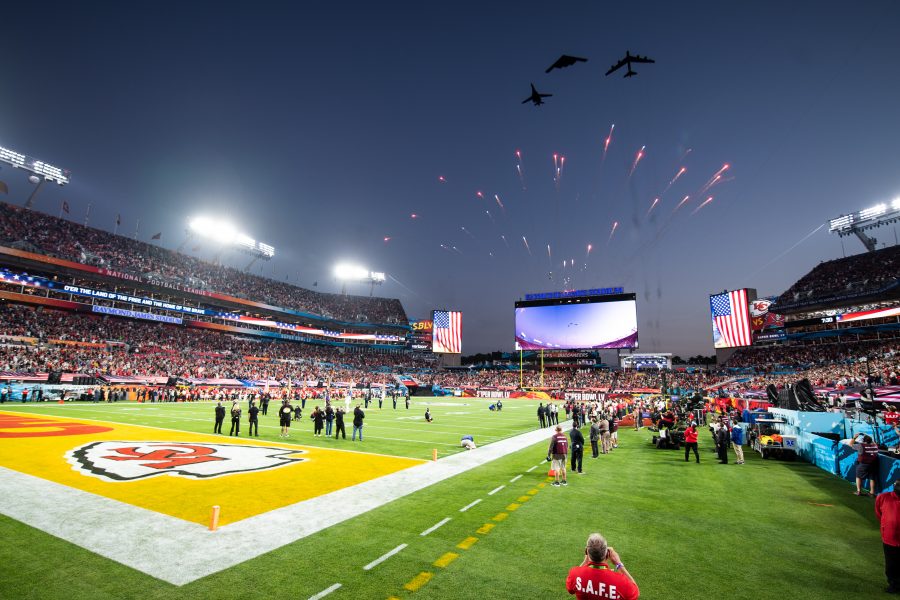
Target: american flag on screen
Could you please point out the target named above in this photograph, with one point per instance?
(447, 332)
(731, 317)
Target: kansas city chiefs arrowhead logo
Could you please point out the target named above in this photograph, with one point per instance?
(127, 461)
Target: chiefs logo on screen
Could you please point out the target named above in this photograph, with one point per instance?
(128, 461)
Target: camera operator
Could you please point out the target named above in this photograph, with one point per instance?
(594, 578)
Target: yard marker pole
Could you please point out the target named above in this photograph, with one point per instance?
(214, 519)
(434, 454)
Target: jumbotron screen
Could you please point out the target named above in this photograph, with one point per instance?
(577, 323)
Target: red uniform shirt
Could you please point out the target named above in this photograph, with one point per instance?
(690, 435)
(597, 580)
(887, 509)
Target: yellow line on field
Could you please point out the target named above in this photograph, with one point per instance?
(531, 492)
(499, 517)
(467, 543)
(486, 528)
(414, 584)
(523, 499)
(542, 485)
(513, 507)
(446, 559)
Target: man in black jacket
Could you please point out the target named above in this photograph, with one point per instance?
(339, 423)
(577, 448)
(358, 416)
(220, 418)
(253, 412)
(722, 441)
(235, 419)
(541, 415)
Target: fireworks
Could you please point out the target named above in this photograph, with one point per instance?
(680, 204)
(559, 163)
(652, 206)
(527, 247)
(413, 216)
(716, 178)
(704, 203)
(637, 159)
(480, 194)
(612, 231)
(490, 216)
(500, 204)
(519, 168)
(680, 172)
(442, 179)
(387, 238)
(503, 237)
(608, 140)
(467, 232)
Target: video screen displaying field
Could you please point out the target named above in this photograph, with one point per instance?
(577, 323)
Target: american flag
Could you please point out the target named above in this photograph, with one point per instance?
(447, 336)
(731, 316)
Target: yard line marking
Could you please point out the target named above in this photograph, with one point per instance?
(383, 558)
(532, 492)
(486, 528)
(418, 581)
(513, 507)
(523, 499)
(516, 478)
(435, 526)
(325, 592)
(468, 506)
(532, 468)
(467, 543)
(495, 490)
(446, 559)
(499, 517)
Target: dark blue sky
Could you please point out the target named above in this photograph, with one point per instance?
(319, 130)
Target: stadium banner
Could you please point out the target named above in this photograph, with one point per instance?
(446, 332)
(588, 322)
(869, 314)
(134, 314)
(730, 315)
(420, 335)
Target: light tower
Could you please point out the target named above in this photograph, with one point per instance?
(859, 222)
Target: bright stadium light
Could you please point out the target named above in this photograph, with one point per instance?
(344, 271)
(38, 167)
(225, 233)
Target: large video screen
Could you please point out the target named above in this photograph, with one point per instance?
(446, 332)
(730, 319)
(577, 323)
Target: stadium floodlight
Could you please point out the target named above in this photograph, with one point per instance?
(38, 167)
(873, 217)
(226, 234)
(350, 273)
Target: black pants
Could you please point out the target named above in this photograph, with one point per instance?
(543, 422)
(339, 429)
(317, 428)
(254, 424)
(265, 409)
(218, 427)
(688, 446)
(723, 454)
(577, 455)
(892, 565)
(595, 448)
(235, 426)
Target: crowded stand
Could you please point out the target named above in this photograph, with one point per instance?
(43, 234)
(858, 275)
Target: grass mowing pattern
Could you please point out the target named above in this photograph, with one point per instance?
(684, 530)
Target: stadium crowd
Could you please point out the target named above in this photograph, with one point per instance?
(43, 234)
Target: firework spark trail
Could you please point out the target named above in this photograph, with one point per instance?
(446, 248)
(715, 178)
(637, 159)
(704, 203)
(480, 194)
(503, 237)
(680, 172)
(500, 204)
(519, 168)
(467, 232)
(442, 179)
(652, 206)
(387, 238)
(455, 249)
(686, 152)
(680, 204)
(806, 237)
(490, 216)
(615, 226)
(608, 141)
(527, 247)
(588, 253)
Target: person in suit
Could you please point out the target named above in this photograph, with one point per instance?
(220, 418)
(253, 413)
(541, 415)
(577, 439)
(339, 424)
(235, 419)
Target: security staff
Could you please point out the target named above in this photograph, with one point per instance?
(265, 404)
(339, 424)
(220, 418)
(235, 419)
(254, 418)
(541, 415)
(577, 448)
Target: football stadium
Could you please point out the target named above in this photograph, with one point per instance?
(375, 380)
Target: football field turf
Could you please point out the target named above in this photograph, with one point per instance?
(762, 530)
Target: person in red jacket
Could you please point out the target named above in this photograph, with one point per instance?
(594, 578)
(690, 442)
(887, 509)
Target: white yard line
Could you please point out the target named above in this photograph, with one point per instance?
(470, 505)
(180, 552)
(515, 479)
(440, 523)
(325, 592)
(532, 468)
(495, 490)
(383, 558)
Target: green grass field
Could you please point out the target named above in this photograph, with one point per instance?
(762, 530)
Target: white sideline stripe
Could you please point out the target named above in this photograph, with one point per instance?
(435, 526)
(516, 478)
(180, 552)
(325, 592)
(532, 468)
(383, 557)
(468, 506)
(495, 490)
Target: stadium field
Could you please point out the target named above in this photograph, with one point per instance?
(762, 530)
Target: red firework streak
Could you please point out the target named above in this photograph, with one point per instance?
(637, 159)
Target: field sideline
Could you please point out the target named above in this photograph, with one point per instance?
(765, 529)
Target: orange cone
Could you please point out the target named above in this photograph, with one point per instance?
(551, 473)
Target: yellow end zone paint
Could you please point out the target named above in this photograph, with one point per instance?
(244, 476)
(446, 559)
(513, 507)
(418, 581)
(523, 499)
(486, 528)
(499, 517)
(467, 543)
(532, 492)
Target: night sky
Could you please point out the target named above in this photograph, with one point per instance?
(322, 128)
